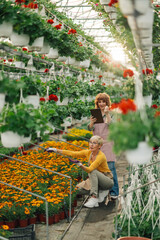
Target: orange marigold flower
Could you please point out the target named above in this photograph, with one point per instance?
(5, 227)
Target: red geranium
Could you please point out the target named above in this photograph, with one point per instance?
(100, 76)
(154, 106)
(157, 114)
(92, 80)
(50, 21)
(19, 1)
(24, 49)
(128, 72)
(53, 97)
(32, 5)
(42, 99)
(72, 31)
(147, 71)
(80, 44)
(10, 60)
(112, 2)
(103, 84)
(76, 82)
(58, 26)
(126, 105)
(46, 70)
(113, 106)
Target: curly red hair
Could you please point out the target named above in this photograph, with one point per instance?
(104, 97)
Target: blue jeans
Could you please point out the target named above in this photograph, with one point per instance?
(114, 191)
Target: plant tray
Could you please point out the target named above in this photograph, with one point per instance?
(26, 233)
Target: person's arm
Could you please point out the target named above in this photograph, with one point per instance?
(94, 165)
(75, 154)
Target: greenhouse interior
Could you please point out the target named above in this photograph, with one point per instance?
(80, 119)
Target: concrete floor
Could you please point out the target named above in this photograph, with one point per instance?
(90, 224)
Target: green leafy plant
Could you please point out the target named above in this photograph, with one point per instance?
(32, 85)
(133, 127)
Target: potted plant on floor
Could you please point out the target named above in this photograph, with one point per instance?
(9, 215)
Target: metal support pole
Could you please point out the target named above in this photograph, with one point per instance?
(36, 195)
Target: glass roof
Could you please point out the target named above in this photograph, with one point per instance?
(81, 12)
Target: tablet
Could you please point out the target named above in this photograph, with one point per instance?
(96, 113)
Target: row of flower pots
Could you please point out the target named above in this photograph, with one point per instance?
(40, 218)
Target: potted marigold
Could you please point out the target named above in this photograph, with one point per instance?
(23, 213)
(134, 129)
(9, 215)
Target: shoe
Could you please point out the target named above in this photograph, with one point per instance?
(113, 197)
(102, 195)
(92, 202)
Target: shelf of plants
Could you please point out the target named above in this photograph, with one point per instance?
(49, 79)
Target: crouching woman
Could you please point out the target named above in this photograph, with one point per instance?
(100, 176)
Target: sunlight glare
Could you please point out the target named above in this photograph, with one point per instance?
(118, 55)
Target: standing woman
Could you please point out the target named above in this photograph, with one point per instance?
(103, 102)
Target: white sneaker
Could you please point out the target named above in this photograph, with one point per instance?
(92, 202)
(102, 195)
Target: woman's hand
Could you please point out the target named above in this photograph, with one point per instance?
(92, 121)
(106, 110)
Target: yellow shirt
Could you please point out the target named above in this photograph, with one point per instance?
(100, 162)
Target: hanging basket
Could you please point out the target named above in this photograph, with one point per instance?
(64, 102)
(70, 61)
(104, 2)
(19, 64)
(145, 21)
(61, 59)
(85, 63)
(6, 29)
(127, 7)
(10, 139)
(141, 155)
(45, 49)
(37, 44)
(25, 139)
(148, 100)
(19, 39)
(53, 53)
(32, 99)
(2, 100)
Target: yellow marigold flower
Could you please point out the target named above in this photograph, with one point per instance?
(27, 211)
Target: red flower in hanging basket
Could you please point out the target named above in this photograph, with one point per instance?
(10, 60)
(157, 114)
(20, 1)
(76, 82)
(126, 105)
(72, 31)
(154, 106)
(42, 99)
(32, 5)
(100, 76)
(149, 71)
(103, 84)
(58, 26)
(46, 70)
(80, 44)
(53, 97)
(50, 21)
(128, 73)
(24, 49)
(112, 2)
(92, 80)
